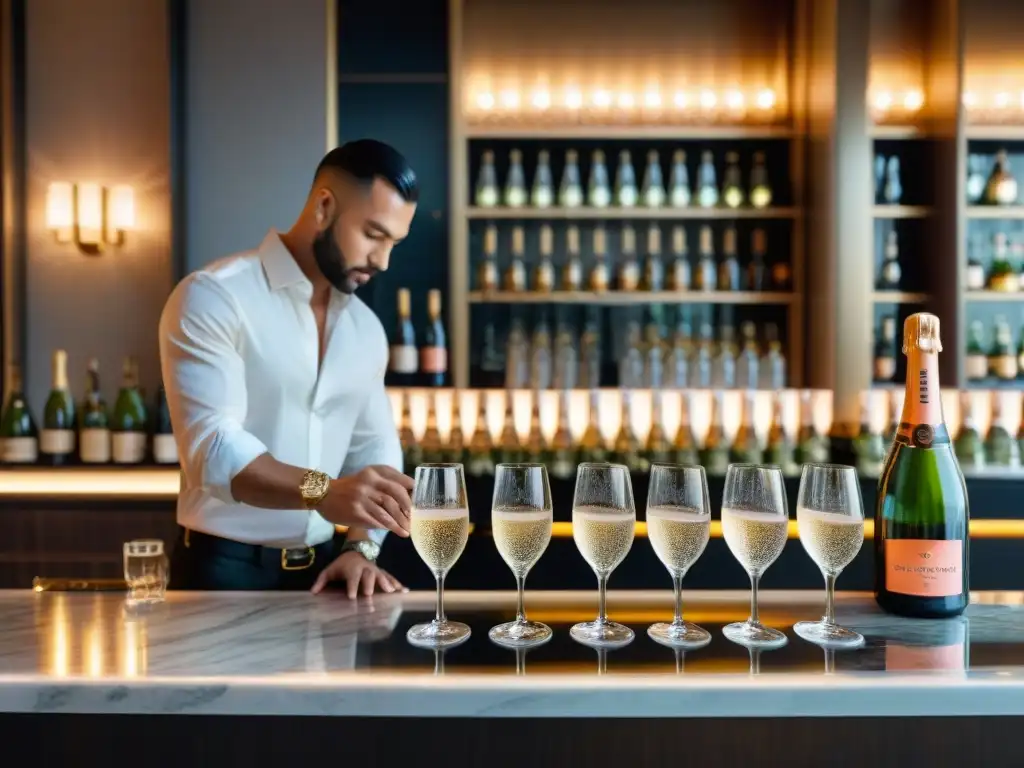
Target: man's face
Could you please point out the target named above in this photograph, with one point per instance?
(357, 231)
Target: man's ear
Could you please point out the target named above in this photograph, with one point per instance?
(324, 207)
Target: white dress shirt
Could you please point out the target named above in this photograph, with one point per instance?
(239, 352)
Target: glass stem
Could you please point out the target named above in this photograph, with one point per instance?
(754, 579)
(830, 598)
(521, 599)
(439, 613)
(602, 590)
(677, 590)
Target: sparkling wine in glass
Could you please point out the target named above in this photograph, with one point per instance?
(678, 525)
(830, 516)
(521, 523)
(755, 524)
(439, 524)
(603, 520)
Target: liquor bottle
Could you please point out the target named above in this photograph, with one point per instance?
(455, 450)
(165, 449)
(723, 368)
(812, 447)
(626, 448)
(975, 179)
(592, 443)
(892, 192)
(684, 445)
(732, 182)
(976, 361)
(890, 274)
(487, 275)
(598, 281)
(657, 450)
(653, 190)
(757, 269)
(434, 352)
(536, 444)
(1001, 187)
(599, 189)
(563, 449)
(879, 178)
(885, 350)
(486, 195)
(679, 277)
(57, 438)
(714, 455)
(1002, 358)
(969, 447)
(653, 278)
(921, 515)
(566, 358)
(403, 360)
(626, 193)
(707, 181)
(480, 456)
(976, 277)
(869, 445)
(543, 193)
(515, 182)
(654, 356)
(746, 448)
(544, 272)
(129, 422)
(412, 456)
(700, 372)
(515, 274)
(510, 448)
(631, 364)
(999, 446)
(431, 443)
(629, 266)
(677, 364)
(748, 363)
(778, 447)
(679, 181)
(590, 356)
(706, 277)
(1002, 276)
(93, 421)
(781, 274)
(18, 434)
(729, 267)
(541, 356)
(760, 189)
(570, 191)
(572, 270)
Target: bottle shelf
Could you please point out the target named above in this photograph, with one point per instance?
(633, 298)
(632, 213)
(993, 295)
(901, 211)
(639, 132)
(995, 212)
(892, 132)
(899, 297)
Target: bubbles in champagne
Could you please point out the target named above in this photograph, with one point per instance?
(678, 536)
(603, 536)
(755, 539)
(831, 539)
(439, 536)
(521, 536)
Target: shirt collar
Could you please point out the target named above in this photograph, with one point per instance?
(278, 263)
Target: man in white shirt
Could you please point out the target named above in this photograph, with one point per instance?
(274, 374)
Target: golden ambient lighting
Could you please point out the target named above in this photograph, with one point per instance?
(888, 105)
(89, 215)
(141, 483)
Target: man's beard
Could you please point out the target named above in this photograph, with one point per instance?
(331, 263)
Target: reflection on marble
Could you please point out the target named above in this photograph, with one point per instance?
(281, 653)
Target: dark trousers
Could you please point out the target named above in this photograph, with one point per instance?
(201, 561)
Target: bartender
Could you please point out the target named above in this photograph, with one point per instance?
(274, 374)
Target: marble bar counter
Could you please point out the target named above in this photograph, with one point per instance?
(244, 672)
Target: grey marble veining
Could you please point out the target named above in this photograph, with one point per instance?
(298, 654)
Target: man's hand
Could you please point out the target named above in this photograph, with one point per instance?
(357, 571)
(374, 497)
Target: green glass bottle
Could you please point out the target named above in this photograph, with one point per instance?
(999, 446)
(93, 421)
(778, 449)
(480, 455)
(18, 434)
(969, 447)
(129, 421)
(165, 450)
(57, 438)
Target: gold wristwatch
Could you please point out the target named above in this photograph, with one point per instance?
(314, 487)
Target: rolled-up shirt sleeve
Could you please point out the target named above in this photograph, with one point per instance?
(204, 378)
(374, 441)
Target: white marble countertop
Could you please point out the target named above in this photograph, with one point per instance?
(296, 654)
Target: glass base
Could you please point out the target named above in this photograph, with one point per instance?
(754, 635)
(438, 634)
(520, 634)
(602, 634)
(685, 635)
(828, 635)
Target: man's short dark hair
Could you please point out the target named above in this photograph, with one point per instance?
(368, 159)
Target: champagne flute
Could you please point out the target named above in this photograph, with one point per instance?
(521, 522)
(439, 528)
(603, 519)
(755, 523)
(678, 525)
(830, 515)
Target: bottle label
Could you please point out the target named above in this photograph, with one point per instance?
(434, 360)
(165, 450)
(976, 366)
(403, 358)
(924, 567)
(680, 197)
(57, 442)
(922, 435)
(1003, 366)
(128, 447)
(20, 450)
(94, 446)
(975, 277)
(629, 276)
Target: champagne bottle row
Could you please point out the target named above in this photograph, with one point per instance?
(997, 186)
(998, 265)
(712, 270)
(734, 191)
(87, 432)
(998, 360)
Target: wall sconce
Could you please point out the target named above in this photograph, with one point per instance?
(90, 216)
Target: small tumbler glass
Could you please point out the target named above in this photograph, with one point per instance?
(146, 571)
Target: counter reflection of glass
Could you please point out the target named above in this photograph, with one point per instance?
(439, 528)
(603, 519)
(830, 515)
(521, 523)
(755, 524)
(145, 571)
(678, 525)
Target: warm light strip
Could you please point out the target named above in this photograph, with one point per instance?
(147, 483)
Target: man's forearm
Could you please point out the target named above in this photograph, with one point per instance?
(269, 484)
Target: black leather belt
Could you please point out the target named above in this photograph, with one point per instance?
(295, 559)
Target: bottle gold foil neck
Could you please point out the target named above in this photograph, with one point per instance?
(921, 331)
